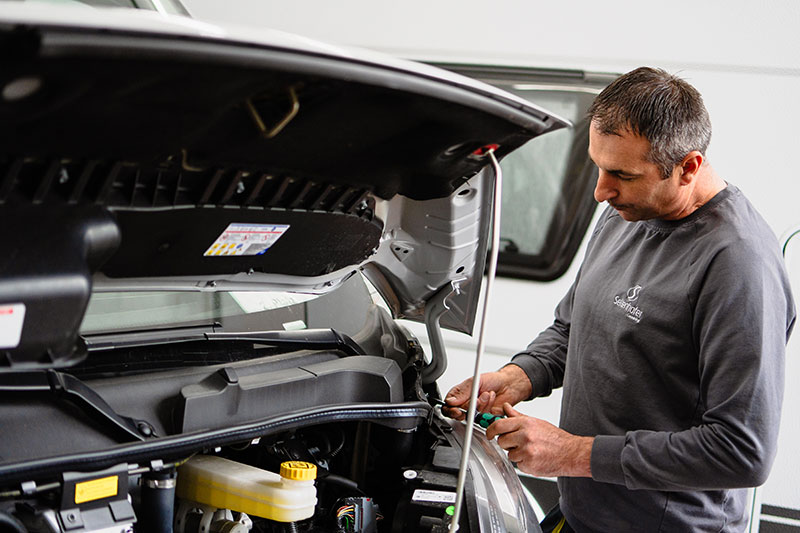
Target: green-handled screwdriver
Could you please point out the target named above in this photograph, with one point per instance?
(484, 420)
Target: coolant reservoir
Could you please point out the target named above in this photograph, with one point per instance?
(226, 484)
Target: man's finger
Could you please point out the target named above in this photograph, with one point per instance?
(453, 412)
(509, 441)
(490, 402)
(459, 394)
(510, 411)
(501, 427)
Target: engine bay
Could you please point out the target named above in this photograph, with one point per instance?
(264, 432)
(367, 478)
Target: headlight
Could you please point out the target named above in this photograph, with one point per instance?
(501, 500)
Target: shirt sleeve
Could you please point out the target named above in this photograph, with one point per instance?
(743, 315)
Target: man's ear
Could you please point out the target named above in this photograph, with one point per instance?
(690, 166)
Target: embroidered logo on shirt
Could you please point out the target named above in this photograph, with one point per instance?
(633, 293)
(626, 304)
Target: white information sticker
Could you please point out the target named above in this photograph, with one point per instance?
(438, 496)
(246, 239)
(12, 316)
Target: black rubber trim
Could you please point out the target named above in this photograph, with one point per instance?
(783, 512)
(765, 526)
(406, 415)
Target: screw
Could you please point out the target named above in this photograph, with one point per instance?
(71, 517)
(145, 429)
(410, 474)
(239, 188)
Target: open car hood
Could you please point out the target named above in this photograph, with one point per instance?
(141, 152)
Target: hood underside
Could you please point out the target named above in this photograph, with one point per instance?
(136, 159)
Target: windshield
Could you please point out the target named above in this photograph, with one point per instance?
(232, 311)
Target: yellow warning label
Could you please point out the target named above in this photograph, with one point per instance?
(88, 491)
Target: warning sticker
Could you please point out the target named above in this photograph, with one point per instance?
(438, 496)
(96, 489)
(12, 316)
(246, 239)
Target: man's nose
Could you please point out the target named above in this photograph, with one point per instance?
(604, 190)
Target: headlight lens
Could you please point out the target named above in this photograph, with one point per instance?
(501, 500)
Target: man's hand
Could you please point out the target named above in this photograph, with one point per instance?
(510, 385)
(540, 448)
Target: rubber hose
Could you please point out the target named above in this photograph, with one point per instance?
(158, 502)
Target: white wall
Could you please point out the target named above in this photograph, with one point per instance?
(744, 57)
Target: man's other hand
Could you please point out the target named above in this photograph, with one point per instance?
(507, 385)
(540, 448)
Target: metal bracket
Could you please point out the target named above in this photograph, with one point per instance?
(277, 128)
(435, 307)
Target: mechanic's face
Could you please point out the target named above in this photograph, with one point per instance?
(629, 182)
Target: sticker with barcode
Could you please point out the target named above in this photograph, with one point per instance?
(438, 496)
(246, 239)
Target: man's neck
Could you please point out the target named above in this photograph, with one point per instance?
(708, 184)
(705, 186)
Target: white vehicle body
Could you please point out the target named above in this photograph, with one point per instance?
(743, 58)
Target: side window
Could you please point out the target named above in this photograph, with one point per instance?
(547, 201)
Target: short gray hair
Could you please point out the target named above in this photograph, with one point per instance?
(662, 108)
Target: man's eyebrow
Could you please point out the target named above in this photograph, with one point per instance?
(615, 171)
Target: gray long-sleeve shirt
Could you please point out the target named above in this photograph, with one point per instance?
(670, 347)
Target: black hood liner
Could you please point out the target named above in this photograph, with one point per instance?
(149, 101)
(172, 243)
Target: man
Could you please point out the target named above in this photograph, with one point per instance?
(670, 342)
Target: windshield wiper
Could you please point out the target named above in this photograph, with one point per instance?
(311, 339)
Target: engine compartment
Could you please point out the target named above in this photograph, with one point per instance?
(384, 458)
(369, 477)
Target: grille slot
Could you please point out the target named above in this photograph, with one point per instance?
(130, 185)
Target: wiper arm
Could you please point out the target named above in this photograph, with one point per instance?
(70, 388)
(110, 341)
(314, 339)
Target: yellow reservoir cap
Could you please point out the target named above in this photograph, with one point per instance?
(298, 470)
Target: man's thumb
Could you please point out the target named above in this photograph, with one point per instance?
(510, 411)
(455, 397)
